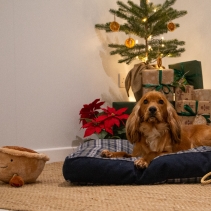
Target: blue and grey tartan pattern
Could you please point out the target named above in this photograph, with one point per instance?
(93, 148)
(183, 180)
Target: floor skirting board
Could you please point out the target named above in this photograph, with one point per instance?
(57, 154)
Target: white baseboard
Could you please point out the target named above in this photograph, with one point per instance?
(57, 154)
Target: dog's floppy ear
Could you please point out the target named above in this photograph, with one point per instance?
(174, 123)
(133, 124)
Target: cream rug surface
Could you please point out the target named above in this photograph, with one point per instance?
(52, 193)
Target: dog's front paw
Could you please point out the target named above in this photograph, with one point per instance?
(106, 154)
(141, 163)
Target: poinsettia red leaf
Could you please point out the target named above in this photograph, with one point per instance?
(116, 121)
(95, 101)
(120, 111)
(109, 130)
(124, 116)
(108, 123)
(101, 118)
(96, 104)
(86, 125)
(98, 130)
(83, 111)
(111, 110)
(89, 131)
(89, 110)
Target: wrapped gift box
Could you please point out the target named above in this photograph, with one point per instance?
(181, 95)
(187, 120)
(204, 107)
(198, 108)
(159, 80)
(179, 105)
(192, 72)
(202, 94)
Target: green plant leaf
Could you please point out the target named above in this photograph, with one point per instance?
(102, 135)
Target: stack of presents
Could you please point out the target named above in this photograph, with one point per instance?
(182, 84)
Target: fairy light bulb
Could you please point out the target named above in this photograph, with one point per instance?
(136, 41)
(162, 45)
(144, 19)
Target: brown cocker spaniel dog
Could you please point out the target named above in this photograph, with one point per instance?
(154, 129)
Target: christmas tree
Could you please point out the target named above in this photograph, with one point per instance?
(147, 21)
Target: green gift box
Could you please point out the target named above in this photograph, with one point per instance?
(191, 71)
(128, 105)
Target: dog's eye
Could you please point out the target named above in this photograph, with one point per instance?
(145, 101)
(160, 102)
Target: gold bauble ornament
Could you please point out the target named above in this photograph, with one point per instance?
(171, 26)
(130, 42)
(114, 26)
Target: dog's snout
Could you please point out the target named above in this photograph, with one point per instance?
(152, 109)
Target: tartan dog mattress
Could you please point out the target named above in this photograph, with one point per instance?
(86, 166)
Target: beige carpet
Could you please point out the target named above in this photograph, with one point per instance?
(52, 193)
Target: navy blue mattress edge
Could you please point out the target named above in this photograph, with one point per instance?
(184, 168)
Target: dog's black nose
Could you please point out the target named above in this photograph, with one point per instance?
(152, 109)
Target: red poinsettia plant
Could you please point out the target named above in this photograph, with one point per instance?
(104, 122)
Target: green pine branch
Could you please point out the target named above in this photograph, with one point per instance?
(146, 20)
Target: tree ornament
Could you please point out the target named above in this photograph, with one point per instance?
(114, 26)
(171, 26)
(130, 42)
(142, 21)
(159, 61)
(199, 120)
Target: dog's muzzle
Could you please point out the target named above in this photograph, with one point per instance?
(152, 110)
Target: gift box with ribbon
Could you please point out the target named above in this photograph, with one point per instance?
(181, 107)
(184, 94)
(202, 94)
(134, 79)
(159, 80)
(189, 72)
(194, 109)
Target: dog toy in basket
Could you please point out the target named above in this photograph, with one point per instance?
(19, 165)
